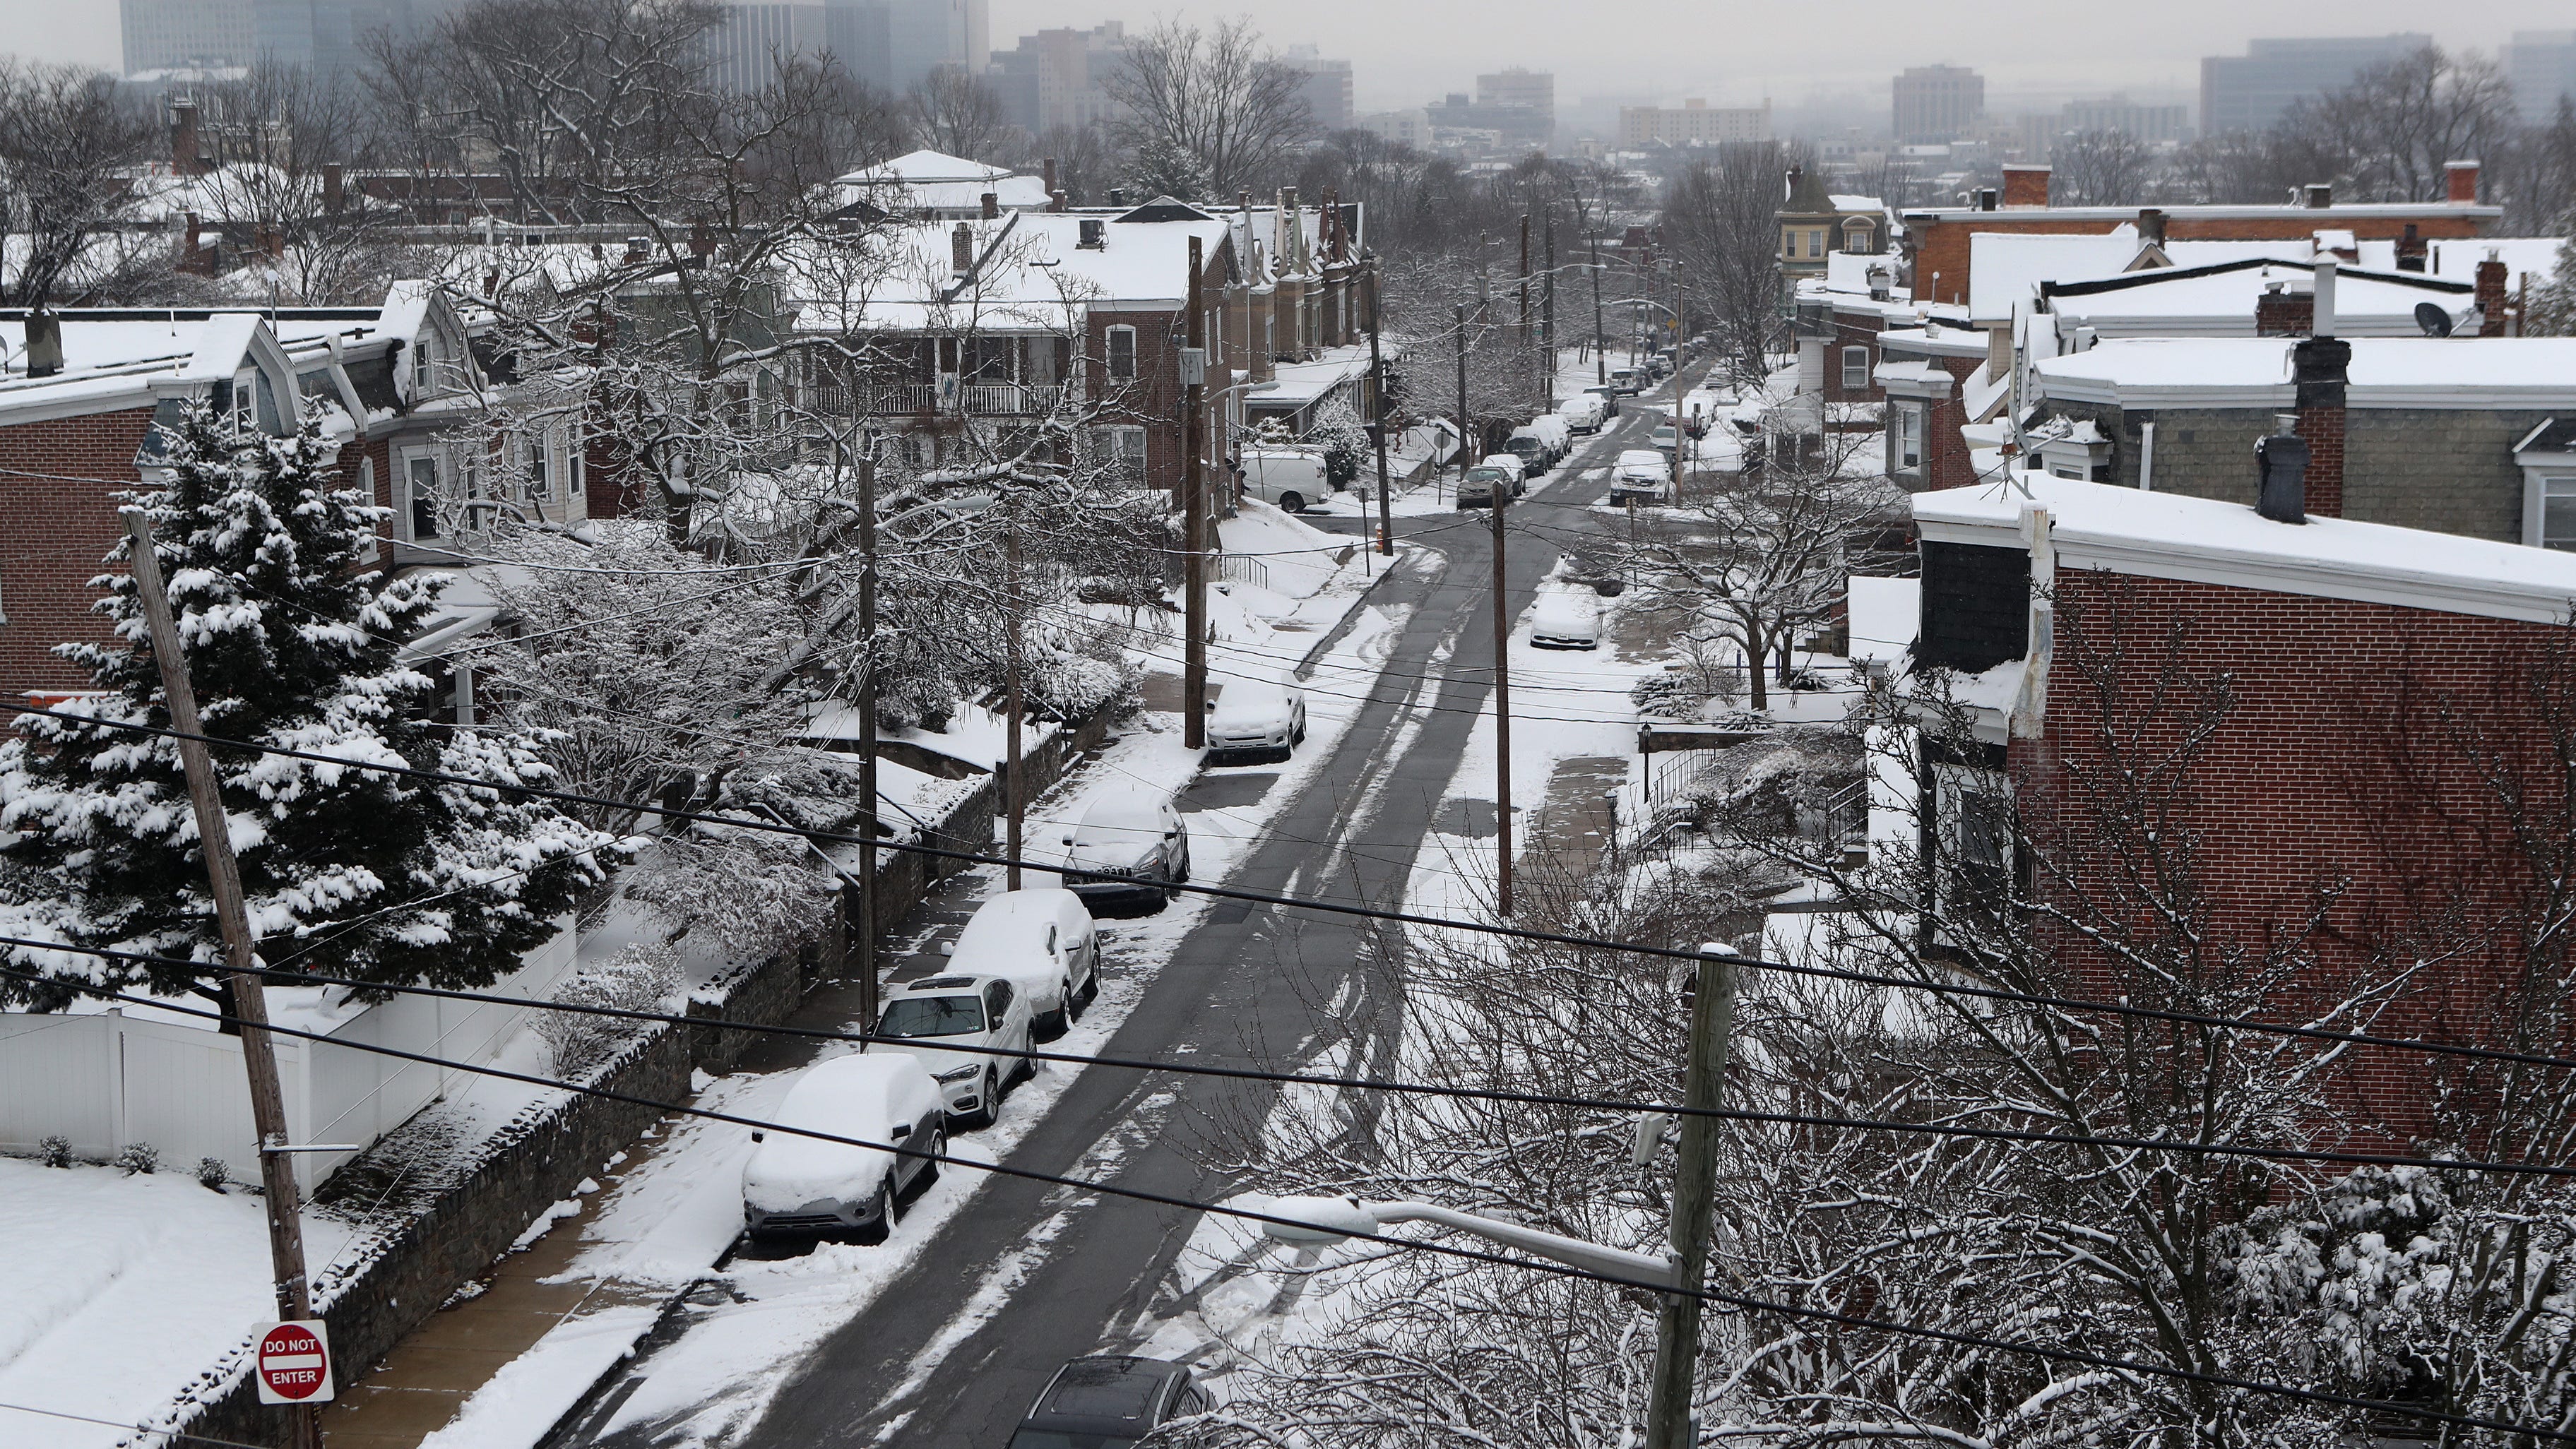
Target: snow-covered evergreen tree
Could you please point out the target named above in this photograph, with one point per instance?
(1165, 167)
(292, 641)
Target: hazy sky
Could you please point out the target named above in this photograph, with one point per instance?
(1407, 51)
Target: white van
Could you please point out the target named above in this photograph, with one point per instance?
(1288, 478)
(1584, 414)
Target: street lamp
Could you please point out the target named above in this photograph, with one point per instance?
(1320, 1220)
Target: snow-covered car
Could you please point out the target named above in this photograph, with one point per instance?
(1483, 484)
(1584, 413)
(1559, 435)
(1130, 849)
(1511, 464)
(1531, 447)
(1662, 439)
(1631, 380)
(931, 1019)
(1288, 478)
(1566, 619)
(1041, 940)
(1109, 1402)
(1257, 718)
(1644, 476)
(1609, 393)
(799, 1184)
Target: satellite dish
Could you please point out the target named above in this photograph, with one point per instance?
(2431, 317)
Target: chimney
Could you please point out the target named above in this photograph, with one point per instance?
(2280, 312)
(961, 249)
(2281, 463)
(990, 204)
(2320, 366)
(2025, 186)
(183, 137)
(2318, 195)
(2324, 305)
(2151, 227)
(2462, 182)
(1047, 170)
(334, 187)
(44, 344)
(272, 239)
(1118, 196)
(702, 244)
(1989, 199)
(2491, 295)
(1795, 174)
(193, 258)
(2410, 250)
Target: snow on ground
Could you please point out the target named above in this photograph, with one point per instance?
(118, 1288)
(667, 1223)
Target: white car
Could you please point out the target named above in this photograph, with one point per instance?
(928, 1020)
(1583, 414)
(1257, 717)
(1566, 619)
(1042, 941)
(798, 1184)
(1642, 475)
(1510, 463)
(1130, 849)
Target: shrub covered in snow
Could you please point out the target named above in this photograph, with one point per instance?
(139, 1157)
(292, 641)
(213, 1173)
(55, 1150)
(639, 978)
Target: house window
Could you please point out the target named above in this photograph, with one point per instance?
(1122, 354)
(1974, 811)
(1905, 440)
(1122, 453)
(1815, 243)
(540, 480)
(2557, 510)
(421, 492)
(424, 368)
(575, 466)
(1855, 369)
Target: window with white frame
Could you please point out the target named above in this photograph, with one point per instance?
(1815, 243)
(541, 483)
(1973, 811)
(1122, 354)
(1122, 453)
(424, 367)
(419, 506)
(576, 467)
(1905, 438)
(1855, 369)
(2554, 510)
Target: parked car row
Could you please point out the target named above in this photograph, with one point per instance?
(1501, 475)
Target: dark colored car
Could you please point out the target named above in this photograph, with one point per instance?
(1129, 850)
(1109, 1402)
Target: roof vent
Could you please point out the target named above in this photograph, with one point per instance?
(1095, 233)
(2319, 195)
(44, 344)
(2282, 460)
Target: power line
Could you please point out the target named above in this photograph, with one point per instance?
(144, 1429)
(1378, 1084)
(1408, 918)
(1731, 1300)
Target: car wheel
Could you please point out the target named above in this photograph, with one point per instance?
(1052, 1024)
(1293, 502)
(1091, 988)
(1072, 1003)
(929, 1172)
(990, 1099)
(877, 1229)
(1299, 737)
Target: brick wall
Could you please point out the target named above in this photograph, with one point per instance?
(58, 499)
(1852, 330)
(1946, 460)
(1153, 400)
(2300, 786)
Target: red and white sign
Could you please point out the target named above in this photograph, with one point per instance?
(294, 1363)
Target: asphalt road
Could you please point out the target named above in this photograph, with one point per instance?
(1060, 1274)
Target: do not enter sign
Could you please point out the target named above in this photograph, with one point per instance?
(294, 1363)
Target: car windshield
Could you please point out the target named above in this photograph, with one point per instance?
(1057, 1439)
(932, 1016)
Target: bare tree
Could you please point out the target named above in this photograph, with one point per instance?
(69, 142)
(1219, 94)
(2102, 168)
(2390, 131)
(960, 114)
(1721, 219)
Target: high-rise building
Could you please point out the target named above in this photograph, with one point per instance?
(167, 34)
(1327, 90)
(2541, 64)
(2038, 134)
(753, 36)
(924, 35)
(327, 37)
(1693, 123)
(2251, 91)
(1938, 103)
(1059, 77)
(1533, 90)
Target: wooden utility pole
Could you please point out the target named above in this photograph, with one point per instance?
(1600, 335)
(1377, 389)
(1502, 714)
(1681, 429)
(250, 1003)
(1547, 320)
(1527, 339)
(863, 899)
(1013, 798)
(1466, 455)
(1668, 1411)
(1194, 527)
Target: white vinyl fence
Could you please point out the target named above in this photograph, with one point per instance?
(108, 1080)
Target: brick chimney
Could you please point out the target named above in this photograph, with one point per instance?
(334, 187)
(2411, 250)
(2461, 178)
(990, 205)
(2491, 295)
(1055, 198)
(183, 137)
(2151, 227)
(2025, 186)
(1946, 463)
(702, 244)
(2321, 367)
(961, 249)
(2280, 312)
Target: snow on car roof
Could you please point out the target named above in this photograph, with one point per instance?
(839, 1095)
(1641, 455)
(1123, 810)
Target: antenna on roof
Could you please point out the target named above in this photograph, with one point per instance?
(2431, 317)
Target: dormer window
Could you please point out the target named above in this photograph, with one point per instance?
(424, 368)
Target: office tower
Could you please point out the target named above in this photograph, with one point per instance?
(1327, 90)
(167, 34)
(923, 35)
(1058, 77)
(1938, 103)
(1693, 123)
(1533, 90)
(2541, 64)
(2251, 91)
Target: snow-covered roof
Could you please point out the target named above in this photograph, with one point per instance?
(1844, 202)
(915, 167)
(2254, 372)
(2006, 268)
(2171, 536)
(1301, 383)
(1031, 274)
(2206, 302)
(2457, 260)
(932, 181)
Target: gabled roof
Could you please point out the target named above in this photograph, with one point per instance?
(914, 168)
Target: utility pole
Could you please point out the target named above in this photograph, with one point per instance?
(1600, 334)
(1668, 1414)
(863, 913)
(1011, 794)
(1464, 458)
(1502, 716)
(1527, 340)
(1681, 429)
(250, 1003)
(1194, 528)
(1377, 387)
(1547, 319)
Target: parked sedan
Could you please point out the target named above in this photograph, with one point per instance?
(1609, 393)
(1257, 718)
(1130, 849)
(1109, 1402)
(1483, 484)
(964, 1031)
(1566, 619)
(1042, 941)
(798, 1184)
(1643, 476)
